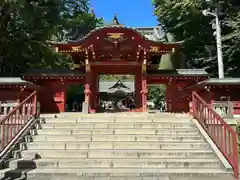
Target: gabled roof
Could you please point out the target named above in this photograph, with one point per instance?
(53, 72)
(16, 82)
(112, 86)
(156, 34)
(119, 84)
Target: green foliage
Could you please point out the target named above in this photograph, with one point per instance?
(26, 26)
(74, 91)
(171, 60)
(155, 95)
(184, 19)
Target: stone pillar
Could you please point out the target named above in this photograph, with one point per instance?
(144, 92)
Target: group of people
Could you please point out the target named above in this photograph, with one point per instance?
(118, 104)
(74, 107)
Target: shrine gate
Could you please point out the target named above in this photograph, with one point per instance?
(114, 49)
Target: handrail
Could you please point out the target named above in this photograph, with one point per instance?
(219, 131)
(16, 119)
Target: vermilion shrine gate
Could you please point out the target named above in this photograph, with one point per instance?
(114, 49)
(120, 50)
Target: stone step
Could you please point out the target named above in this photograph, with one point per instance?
(121, 174)
(130, 174)
(122, 119)
(128, 114)
(107, 137)
(117, 125)
(141, 154)
(59, 176)
(116, 145)
(118, 131)
(116, 163)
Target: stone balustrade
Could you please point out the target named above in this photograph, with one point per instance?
(223, 108)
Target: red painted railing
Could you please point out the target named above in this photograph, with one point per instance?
(16, 119)
(219, 131)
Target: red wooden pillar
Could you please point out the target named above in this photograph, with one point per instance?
(94, 90)
(64, 98)
(170, 95)
(59, 90)
(97, 91)
(138, 89)
(144, 91)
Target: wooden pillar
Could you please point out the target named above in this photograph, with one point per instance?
(94, 91)
(59, 93)
(170, 95)
(88, 82)
(97, 91)
(144, 92)
(144, 89)
(87, 89)
(138, 89)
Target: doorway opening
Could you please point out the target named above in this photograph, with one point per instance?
(116, 93)
(157, 97)
(74, 98)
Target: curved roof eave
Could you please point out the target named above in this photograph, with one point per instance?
(144, 37)
(96, 30)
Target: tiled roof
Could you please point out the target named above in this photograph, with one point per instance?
(152, 33)
(54, 72)
(181, 72)
(104, 86)
(214, 82)
(222, 81)
(191, 72)
(16, 82)
(13, 80)
(82, 37)
(156, 33)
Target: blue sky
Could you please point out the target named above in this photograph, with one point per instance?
(134, 13)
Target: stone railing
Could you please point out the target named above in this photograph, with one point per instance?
(6, 107)
(223, 108)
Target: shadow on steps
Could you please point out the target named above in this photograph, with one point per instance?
(20, 173)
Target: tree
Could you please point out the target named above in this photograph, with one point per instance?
(184, 19)
(26, 26)
(172, 60)
(155, 95)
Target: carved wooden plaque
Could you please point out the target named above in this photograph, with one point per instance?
(77, 49)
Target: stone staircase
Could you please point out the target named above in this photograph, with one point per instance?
(121, 146)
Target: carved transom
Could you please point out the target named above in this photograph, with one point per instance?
(77, 49)
(154, 49)
(115, 38)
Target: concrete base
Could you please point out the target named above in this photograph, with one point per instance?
(85, 107)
